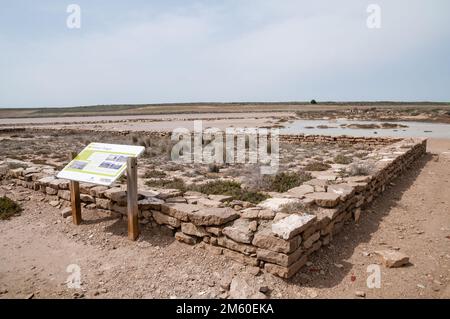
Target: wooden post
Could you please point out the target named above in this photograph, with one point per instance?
(75, 201)
(133, 225)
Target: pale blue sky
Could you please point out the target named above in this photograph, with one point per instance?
(237, 50)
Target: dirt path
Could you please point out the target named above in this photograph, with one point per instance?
(413, 215)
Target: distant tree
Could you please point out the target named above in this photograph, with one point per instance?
(313, 102)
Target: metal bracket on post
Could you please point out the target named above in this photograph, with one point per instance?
(132, 196)
(75, 201)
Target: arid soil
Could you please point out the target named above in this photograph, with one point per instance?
(411, 216)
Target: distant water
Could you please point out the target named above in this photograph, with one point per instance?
(414, 129)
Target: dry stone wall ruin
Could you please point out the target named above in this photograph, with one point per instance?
(261, 235)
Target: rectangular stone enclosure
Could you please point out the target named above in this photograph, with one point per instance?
(261, 235)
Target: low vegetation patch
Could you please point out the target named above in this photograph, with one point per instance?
(358, 169)
(342, 159)
(284, 181)
(154, 174)
(176, 183)
(14, 165)
(218, 187)
(230, 188)
(8, 208)
(317, 166)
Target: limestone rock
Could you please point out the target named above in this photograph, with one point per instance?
(326, 215)
(217, 231)
(212, 216)
(230, 244)
(185, 238)
(97, 191)
(206, 202)
(166, 193)
(178, 199)
(240, 258)
(85, 188)
(87, 198)
(241, 288)
(220, 198)
(51, 191)
(164, 219)
(324, 199)
(59, 184)
(292, 225)
(191, 229)
(150, 203)
(343, 190)
(54, 203)
(392, 258)
(104, 203)
(308, 242)
(31, 170)
(280, 216)
(286, 272)
(317, 183)
(267, 240)
(239, 231)
(250, 213)
(266, 214)
(16, 172)
(279, 258)
(276, 204)
(179, 211)
(46, 180)
(66, 212)
(117, 194)
(64, 194)
(358, 179)
(300, 191)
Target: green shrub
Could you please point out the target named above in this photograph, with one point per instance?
(218, 187)
(154, 174)
(14, 165)
(229, 188)
(8, 208)
(317, 166)
(284, 181)
(39, 161)
(342, 159)
(357, 169)
(176, 183)
(361, 154)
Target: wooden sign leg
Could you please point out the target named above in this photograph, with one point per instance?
(75, 201)
(133, 224)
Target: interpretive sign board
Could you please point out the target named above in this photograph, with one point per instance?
(100, 163)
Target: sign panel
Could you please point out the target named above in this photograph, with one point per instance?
(100, 163)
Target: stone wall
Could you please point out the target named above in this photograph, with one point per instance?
(262, 235)
(286, 138)
(342, 139)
